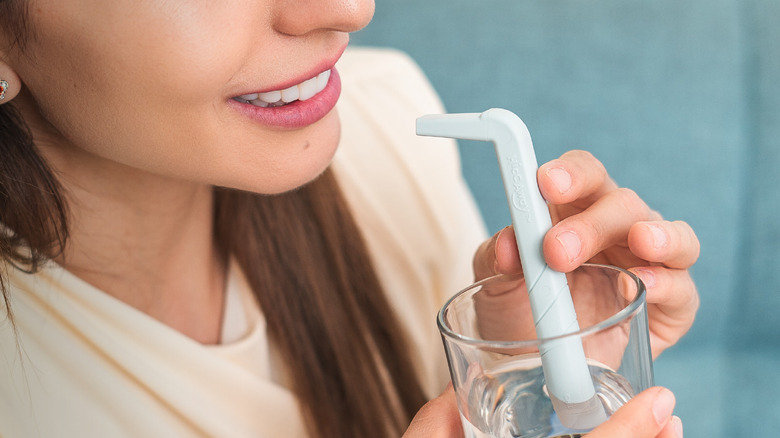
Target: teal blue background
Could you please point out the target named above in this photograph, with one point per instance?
(680, 100)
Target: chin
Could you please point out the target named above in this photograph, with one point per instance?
(279, 180)
(293, 185)
(300, 158)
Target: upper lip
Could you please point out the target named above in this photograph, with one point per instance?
(325, 64)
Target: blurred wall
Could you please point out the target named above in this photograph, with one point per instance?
(680, 100)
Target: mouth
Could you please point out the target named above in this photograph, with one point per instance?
(298, 92)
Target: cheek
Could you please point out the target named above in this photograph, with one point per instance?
(156, 105)
(90, 68)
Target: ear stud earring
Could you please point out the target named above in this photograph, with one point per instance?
(3, 87)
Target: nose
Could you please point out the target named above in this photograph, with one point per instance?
(299, 17)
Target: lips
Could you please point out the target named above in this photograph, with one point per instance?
(293, 107)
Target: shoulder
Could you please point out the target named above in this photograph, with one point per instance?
(380, 156)
(366, 63)
(385, 84)
(405, 187)
(406, 192)
(383, 93)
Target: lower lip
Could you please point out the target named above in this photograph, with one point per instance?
(298, 114)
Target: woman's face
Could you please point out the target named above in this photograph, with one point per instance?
(188, 88)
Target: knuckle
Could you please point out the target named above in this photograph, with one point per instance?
(655, 215)
(688, 240)
(631, 203)
(593, 231)
(589, 159)
(430, 410)
(586, 157)
(694, 299)
(580, 154)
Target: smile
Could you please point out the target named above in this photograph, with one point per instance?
(303, 91)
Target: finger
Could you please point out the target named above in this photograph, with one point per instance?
(438, 418)
(575, 176)
(498, 255)
(606, 223)
(673, 244)
(672, 290)
(672, 301)
(673, 429)
(644, 416)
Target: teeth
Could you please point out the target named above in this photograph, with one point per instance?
(307, 89)
(290, 94)
(303, 91)
(270, 97)
(322, 79)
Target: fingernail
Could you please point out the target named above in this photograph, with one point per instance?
(663, 406)
(678, 427)
(560, 178)
(647, 276)
(660, 238)
(495, 249)
(571, 244)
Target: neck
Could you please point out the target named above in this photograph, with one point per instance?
(140, 237)
(148, 241)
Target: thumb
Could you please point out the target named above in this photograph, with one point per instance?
(438, 418)
(648, 415)
(497, 255)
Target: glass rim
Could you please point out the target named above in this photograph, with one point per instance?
(610, 321)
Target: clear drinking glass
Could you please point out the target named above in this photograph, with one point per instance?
(494, 358)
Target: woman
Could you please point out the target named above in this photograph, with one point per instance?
(180, 259)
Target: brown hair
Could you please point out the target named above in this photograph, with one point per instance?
(327, 315)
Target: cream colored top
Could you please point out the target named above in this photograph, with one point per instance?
(87, 365)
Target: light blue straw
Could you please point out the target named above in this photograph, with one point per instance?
(566, 372)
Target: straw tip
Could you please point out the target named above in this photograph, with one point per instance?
(580, 416)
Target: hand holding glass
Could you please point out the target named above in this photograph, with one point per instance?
(495, 360)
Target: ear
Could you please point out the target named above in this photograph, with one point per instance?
(10, 84)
